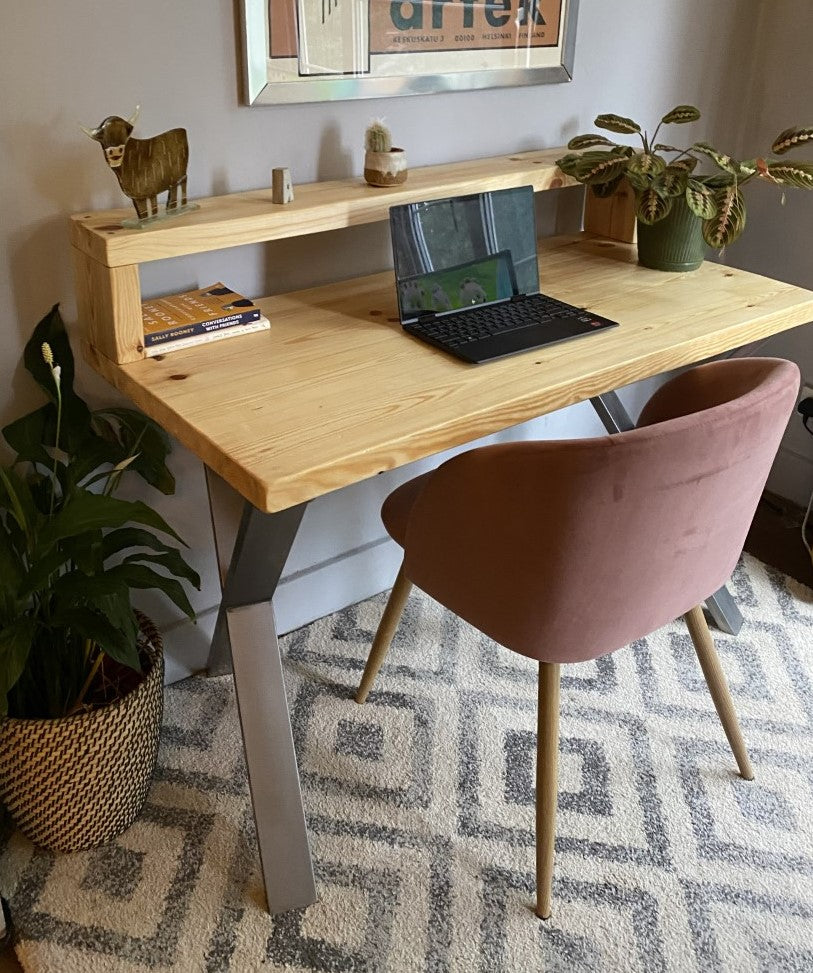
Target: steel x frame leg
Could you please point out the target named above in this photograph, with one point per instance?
(246, 631)
(615, 418)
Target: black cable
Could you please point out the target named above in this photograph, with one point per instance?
(805, 409)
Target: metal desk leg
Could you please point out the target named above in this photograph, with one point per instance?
(245, 636)
(724, 612)
(270, 758)
(255, 564)
(615, 418)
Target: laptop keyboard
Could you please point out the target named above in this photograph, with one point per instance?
(476, 323)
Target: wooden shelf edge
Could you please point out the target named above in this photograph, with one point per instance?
(251, 217)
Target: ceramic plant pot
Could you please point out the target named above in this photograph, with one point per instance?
(77, 781)
(674, 243)
(385, 168)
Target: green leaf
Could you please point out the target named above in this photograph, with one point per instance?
(587, 141)
(90, 624)
(799, 174)
(672, 181)
(39, 576)
(12, 571)
(729, 220)
(127, 537)
(638, 180)
(89, 511)
(652, 206)
(720, 180)
(95, 453)
(51, 329)
(85, 550)
(618, 123)
(723, 161)
(790, 138)
(29, 435)
(598, 167)
(15, 645)
(21, 501)
(140, 576)
(747, 167)
(76, 587)
(119, 612)
(172, 560)
(604, 190)
(687, 163)
(642, 170)
(143, 438)
(646, 164)
(681, 115)
(569, 163)
(700, 200)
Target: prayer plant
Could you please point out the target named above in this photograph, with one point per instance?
(660, 173)
(70, 552)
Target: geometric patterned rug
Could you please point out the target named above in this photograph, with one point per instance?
(420, 811)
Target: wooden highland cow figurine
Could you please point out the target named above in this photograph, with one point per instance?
(145, 167)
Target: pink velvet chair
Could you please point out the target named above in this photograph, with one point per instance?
(565, 551)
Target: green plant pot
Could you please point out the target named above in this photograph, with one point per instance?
(674, 243)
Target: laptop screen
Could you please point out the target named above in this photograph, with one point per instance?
(452, 253)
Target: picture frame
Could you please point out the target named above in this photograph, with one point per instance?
(298, 51)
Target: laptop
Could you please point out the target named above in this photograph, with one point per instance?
(467, 277)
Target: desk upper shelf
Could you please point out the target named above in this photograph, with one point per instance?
(251, 217)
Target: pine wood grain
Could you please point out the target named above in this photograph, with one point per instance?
(109, 304)
(336, 392)
(252, 217)
(613, 217)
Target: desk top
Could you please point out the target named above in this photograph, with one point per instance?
(336, 391)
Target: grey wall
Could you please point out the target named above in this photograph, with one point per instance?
(63, 63)
(777, 239)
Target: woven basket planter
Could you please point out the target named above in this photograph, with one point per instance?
(78, 781)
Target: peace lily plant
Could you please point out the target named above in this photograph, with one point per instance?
(661, 174)
(71, 553)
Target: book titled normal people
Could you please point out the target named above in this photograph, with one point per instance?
(196, 317)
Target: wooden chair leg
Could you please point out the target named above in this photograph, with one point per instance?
(386, 630)
(718, 687)
(547, 780)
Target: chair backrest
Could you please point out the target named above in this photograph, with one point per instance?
(567, 550)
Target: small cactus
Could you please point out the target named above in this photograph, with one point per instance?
(377, 138)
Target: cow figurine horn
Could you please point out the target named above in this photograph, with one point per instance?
(134, 116)
(92, 133)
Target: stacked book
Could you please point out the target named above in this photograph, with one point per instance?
(195, 317)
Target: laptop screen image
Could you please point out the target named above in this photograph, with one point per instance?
(453, 253)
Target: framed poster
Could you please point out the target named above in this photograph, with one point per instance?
(321, 50)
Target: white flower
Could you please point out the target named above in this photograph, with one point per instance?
(57, 373)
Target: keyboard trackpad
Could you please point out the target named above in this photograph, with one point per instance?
(522, 339)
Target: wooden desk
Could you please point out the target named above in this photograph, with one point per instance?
(336, 392)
